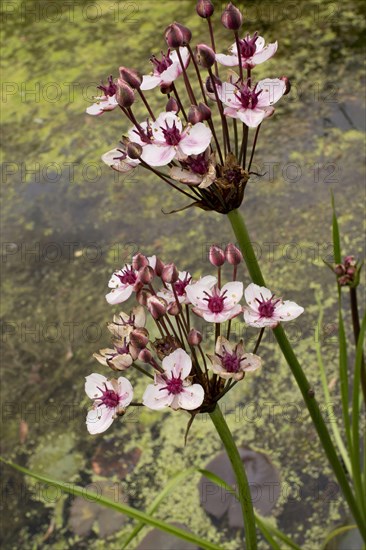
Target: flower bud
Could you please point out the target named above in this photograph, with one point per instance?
(233, 254)
(216, 256)
(156, 306)
(194, 337)
(205, 111)
(210, 82)
(166, 88)
(194, 115)
(134, 150)
(170, 273)
(339, 269)
(159, 266)
(139, 261)
(172, 105)
(174, 36)
(132, 77)
(139, 338)
(351, 271)
(142, 296)
(205, 56)
(287, 84)
(145, 356)
(173, 308)
(205, 8)
(349, 261)
(187, 35)
(344, 280)
(146, 274)
(125, 95)
(232, 18)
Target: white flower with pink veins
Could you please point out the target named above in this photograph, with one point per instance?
(215, 305)
(111, 397)
(251, 105)
(172, 388)
(252, 52)
(166, 139)
(265, 310)
(166, 70)
(125, 281)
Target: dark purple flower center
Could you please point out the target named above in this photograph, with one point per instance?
(198, 165)
(180, 285)
(127, 276)
(233, 176)
(231, 362)
(247, 46)
(121, 350)
(174, 385)
(171, 135)
(247, 97)
(146, 135)
(266, 308)
(215, 302)
(110, 89)
(161, 65)
(109, 398)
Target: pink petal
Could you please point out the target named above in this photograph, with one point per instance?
(178, 364)
(251, 363)
(272, 90)
(94, 109)
(233, 293)
(196, 292)
(125, 391)
(254, 291)
(149, 82)
(227, 60)
(158, 155)
(252, 117)
(156, 398)
(164, 120)
(92, 383)
(185, 176)
(196, 139)
(119, 295)
(287, 311)
(191, 397)
(111, 159)
(263, 55)
(226, 93)
(99, 419)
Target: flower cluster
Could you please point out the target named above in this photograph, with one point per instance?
(182, 374)
(210, 161)
(348, 272)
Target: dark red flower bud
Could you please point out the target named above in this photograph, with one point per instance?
(142, 296)
(174, 36)
(205, 8)
(146, 274)
(134, 150)
(156, 306)
(139, 338)
(205, 111)
(232, 18)
(216, 256)
(139, 261)
(173, 308)
(287, 84)
(233, 254)
(194, 337)
(187, 35)
(339, 269)
(170, 273)
(166, 88)
(145, 356)
(132, 77)
(159, 266)
(194, 115)
(349, 261)
(205, 56)
(125, 95)
(172, 105)
(210, 83)
(344, 280)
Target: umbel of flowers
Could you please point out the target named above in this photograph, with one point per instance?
(180, 143)
(183, 369)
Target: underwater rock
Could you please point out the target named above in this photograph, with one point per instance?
(108, 459)
(264, 481)
(157, 539)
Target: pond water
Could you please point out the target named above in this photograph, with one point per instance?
(68, 221)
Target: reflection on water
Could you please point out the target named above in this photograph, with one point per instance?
(68, 222)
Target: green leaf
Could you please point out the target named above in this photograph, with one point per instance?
(175, 480)
(336, 533)
(336, 238)
(123, 508)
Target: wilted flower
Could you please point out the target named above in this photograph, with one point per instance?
(197, 170)
(111, 397)
(166, 70)
(265, 310)
(215, 305)
(172, 388)
(119, 161)
(252, 52)
(230, 361)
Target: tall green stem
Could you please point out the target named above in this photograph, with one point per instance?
(242, 236)
(241, 477)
